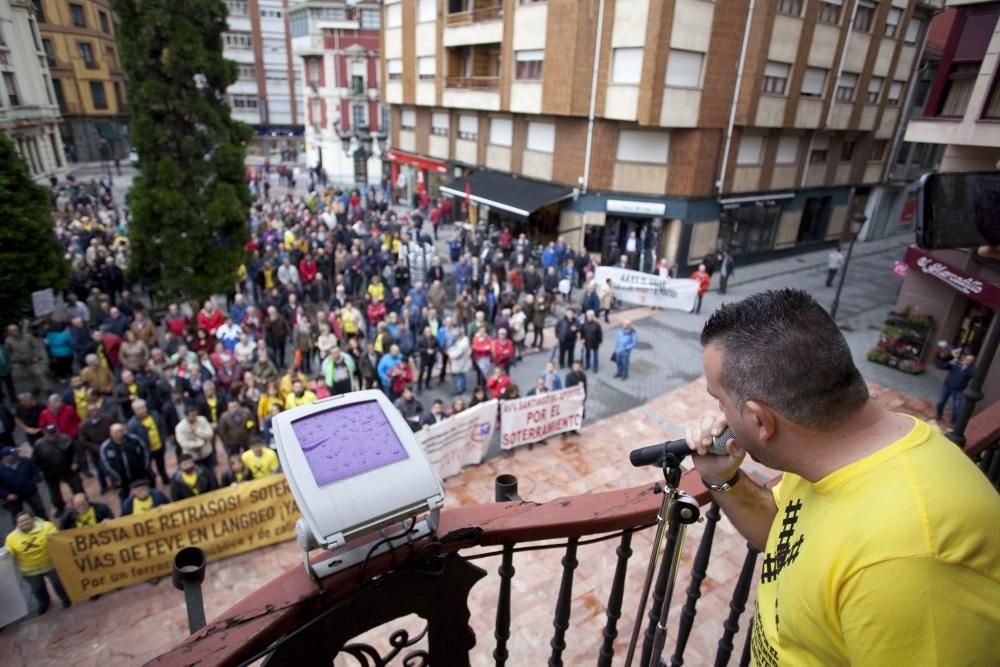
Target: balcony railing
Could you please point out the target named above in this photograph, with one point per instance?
(473, 82)
(494, 13)
(292, 620)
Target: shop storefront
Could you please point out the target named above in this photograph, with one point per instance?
(412, 175)
(962, 293)
(631, 228)
(748, 225)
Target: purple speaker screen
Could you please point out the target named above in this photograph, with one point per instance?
(347, 441)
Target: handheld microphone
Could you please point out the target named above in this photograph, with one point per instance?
(655, 454)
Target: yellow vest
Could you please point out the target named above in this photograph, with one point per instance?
(153, 433)
(31, 549)
(139, 505)
(263, 466)
(88, 518)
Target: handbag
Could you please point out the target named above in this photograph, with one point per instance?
(614, 357)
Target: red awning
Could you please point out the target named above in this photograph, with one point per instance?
(417, 161)
(974, 287)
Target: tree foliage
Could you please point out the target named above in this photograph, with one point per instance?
(190, 201)
(30, 257)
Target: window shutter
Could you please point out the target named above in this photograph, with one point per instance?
(979, 25)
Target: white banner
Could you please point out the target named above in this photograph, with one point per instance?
(649, 289)
(460, 440)
(533, 418)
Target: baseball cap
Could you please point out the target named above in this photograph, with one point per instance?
(139, 482)
(8, 451)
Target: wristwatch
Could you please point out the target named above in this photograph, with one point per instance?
(725, 487)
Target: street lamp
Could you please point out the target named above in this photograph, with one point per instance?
(363, 139)
(857, 222)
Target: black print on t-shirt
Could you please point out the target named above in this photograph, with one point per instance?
(786, 551)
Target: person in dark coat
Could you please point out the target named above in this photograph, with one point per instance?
(84, 513)
(19, 479)
(190, 479)
(58, 457)
(94, 430)
(566, 333)
(149, 428)
(125, 459)
(593, 335)
(143, 498)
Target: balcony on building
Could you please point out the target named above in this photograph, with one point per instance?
(473, 22)
(472, 77)
(310, 21)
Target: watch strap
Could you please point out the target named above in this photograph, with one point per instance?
(725, 487)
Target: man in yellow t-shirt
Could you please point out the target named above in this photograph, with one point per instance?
(148, 426)
(29, 545)
(879, 543)
(191, 479)
(84, 513)
(261, 461)
(299, 396)
(142, 498)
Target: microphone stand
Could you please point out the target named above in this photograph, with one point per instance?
(677, 511)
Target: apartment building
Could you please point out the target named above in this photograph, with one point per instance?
(29, 114)
(961, 120)
(338, 43)
(78, 39)
(756, 126)
(265, 94)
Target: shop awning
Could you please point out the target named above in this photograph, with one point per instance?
(417, 161)
(751, 199)
(107, 131)
(508, 193)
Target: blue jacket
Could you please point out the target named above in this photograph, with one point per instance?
(446, 338)
(552, 381)
(237, 312)
(158, 499)
(19, 479)
(386, 364)
(463, 272)
(548, 257)
(626, 341)
(455, 249)
(59, 343)
(591, 302)
(81, 341)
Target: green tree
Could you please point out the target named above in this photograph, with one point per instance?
(190, 201)
(30, 257)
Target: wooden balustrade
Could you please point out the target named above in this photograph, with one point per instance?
(473, 82)
(493, 13)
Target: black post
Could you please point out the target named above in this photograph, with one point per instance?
(736, 607)
(188, 573)
(624, 552)
(698, 571)
(974, 392)
(563, 604)
(857, 222)
(502, 631)
(505, 488)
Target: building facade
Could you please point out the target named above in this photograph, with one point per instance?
(338, 44)
(265, 94)
(29, 114)
(960, 120)
(756, 127)
(78, 39)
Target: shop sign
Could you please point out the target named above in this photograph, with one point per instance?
(899, 269)
(974, 287)
(909, 211)
(639, 207)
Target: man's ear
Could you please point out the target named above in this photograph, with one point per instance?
(763, 419)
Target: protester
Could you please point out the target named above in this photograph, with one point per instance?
(236, 472)
(704, 279)
(410, 408)
(142, 498)
(19, 478)
(125, 459)
(498, 383)
(196, 438)
(726, 271)
(627, 339)
(593, 335)
(259, 460)
(29, 545)
(148, 427)
(960, 373)
(57, 457)
(83, 512)
(834, 261)
(190, 479)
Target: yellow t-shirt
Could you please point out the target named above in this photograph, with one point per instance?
(263, 466)
(139, 505)
(153, 433)
(891, 560)
(31, 550)
(80, 403)
(133, 391)
(213, 408)
(191, 479)
(88, 518)
(268, 278)
(292, 401)
(264, 406)
(377, 291)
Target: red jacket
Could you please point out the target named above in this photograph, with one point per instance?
(401, 376)
(481, 347)
(67, 421)
(112, 344)
(210, 322)
(503, 350)
(498, 386)
(178, 325)
(307, 271)
(703, 281)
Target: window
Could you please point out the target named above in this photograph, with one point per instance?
(10, 83)
(50, 52)
(316, 111)
(358, 78)
(273, 45)
(247, 73)
(541, 137)
(394, 68)
(58, 90)
(528, 65)
(992, 109)
(408, 119)
(895, 92)
(892, 21)
(271, 13)
(102, 17)
(55, 149)
(244, 102)
(237, 7)
(77, 16)
(237, 40)
(790, 7)
(864, 16)
(385, 119)
(829, 12)
(845, 87)
(814, 82)
(358, 116)
(818, 155)
(48, 88)
(788, 151)
(961, 81)
(684, 69)
(468, 127)
(750, 150)
(750, 228)
(87, 54)
(370, 19)
(39, 11)
(278, 75)
(393, 16)
(878, 150)
(109, 53)
(439, 123)
(298, 24)
(626, 65)
(97, 94)
(650, 147)
(501, 131)
(847, 150)
(913, 31)
(775, 78)
(119, 98)
(426, 10)
(874, 90)
(425, 67)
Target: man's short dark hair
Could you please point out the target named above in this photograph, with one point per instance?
(782, 349)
